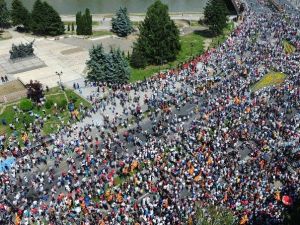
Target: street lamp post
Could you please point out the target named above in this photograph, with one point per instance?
(59, 75)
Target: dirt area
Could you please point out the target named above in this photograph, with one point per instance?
(11, 87)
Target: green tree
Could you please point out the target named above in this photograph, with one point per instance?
(97, 64)
(89, 22)
(111, 67)
(4, 15)
(121, 67)
(20, 15)
(121, 24)
(158, 41)
(45, 20)
(215, 14)
(84, 23)
(78, 23)
(137, 59)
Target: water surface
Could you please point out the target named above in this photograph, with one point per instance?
(110, 6)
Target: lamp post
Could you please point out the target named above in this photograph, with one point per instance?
(59, 75)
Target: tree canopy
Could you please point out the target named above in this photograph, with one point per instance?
(45, 20)
(158, 41)
(110, 67)
(19, 14)
(121, 24)
(35, 91)
(4, 15)
(215, 14)
(84, 23)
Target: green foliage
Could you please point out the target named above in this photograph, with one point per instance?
(84, 23)
(26, 105)
(21, 50)
(137, 59)
(183, 55)
(62, 104)
(111, 67)
(215, 14)
(20, 15)
(4, 15)
(74, 98)
(120, 66)
(121, 24)
(49, 104)
(45, 20)
(158, 41)
(27, 119)
(78, 23)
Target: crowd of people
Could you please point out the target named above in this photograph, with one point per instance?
(175, 143)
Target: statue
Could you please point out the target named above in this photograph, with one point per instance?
(21, 50)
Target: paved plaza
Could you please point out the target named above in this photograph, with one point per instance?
(67, 55)
(8, 66)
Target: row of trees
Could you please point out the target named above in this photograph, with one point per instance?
(110, 67)
(158, 41)
(84, 23)
(4, 15)
(43, 20)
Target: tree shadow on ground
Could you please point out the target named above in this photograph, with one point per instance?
(204, 33)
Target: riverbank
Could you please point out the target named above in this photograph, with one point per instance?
(139, 16)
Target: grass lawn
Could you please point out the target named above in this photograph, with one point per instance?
(72, 95)
(270, 79)
(98, 33)
(191, 45)
(216, 41)
(55, 95)
(288, 47)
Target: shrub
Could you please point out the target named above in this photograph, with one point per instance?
(49, 104)
(26, 105)
(62, 104)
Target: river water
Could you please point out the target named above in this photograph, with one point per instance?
(110, 6)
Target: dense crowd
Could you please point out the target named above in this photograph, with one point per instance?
(174, 143)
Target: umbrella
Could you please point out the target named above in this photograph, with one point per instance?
(287, 200)
(7, 163)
